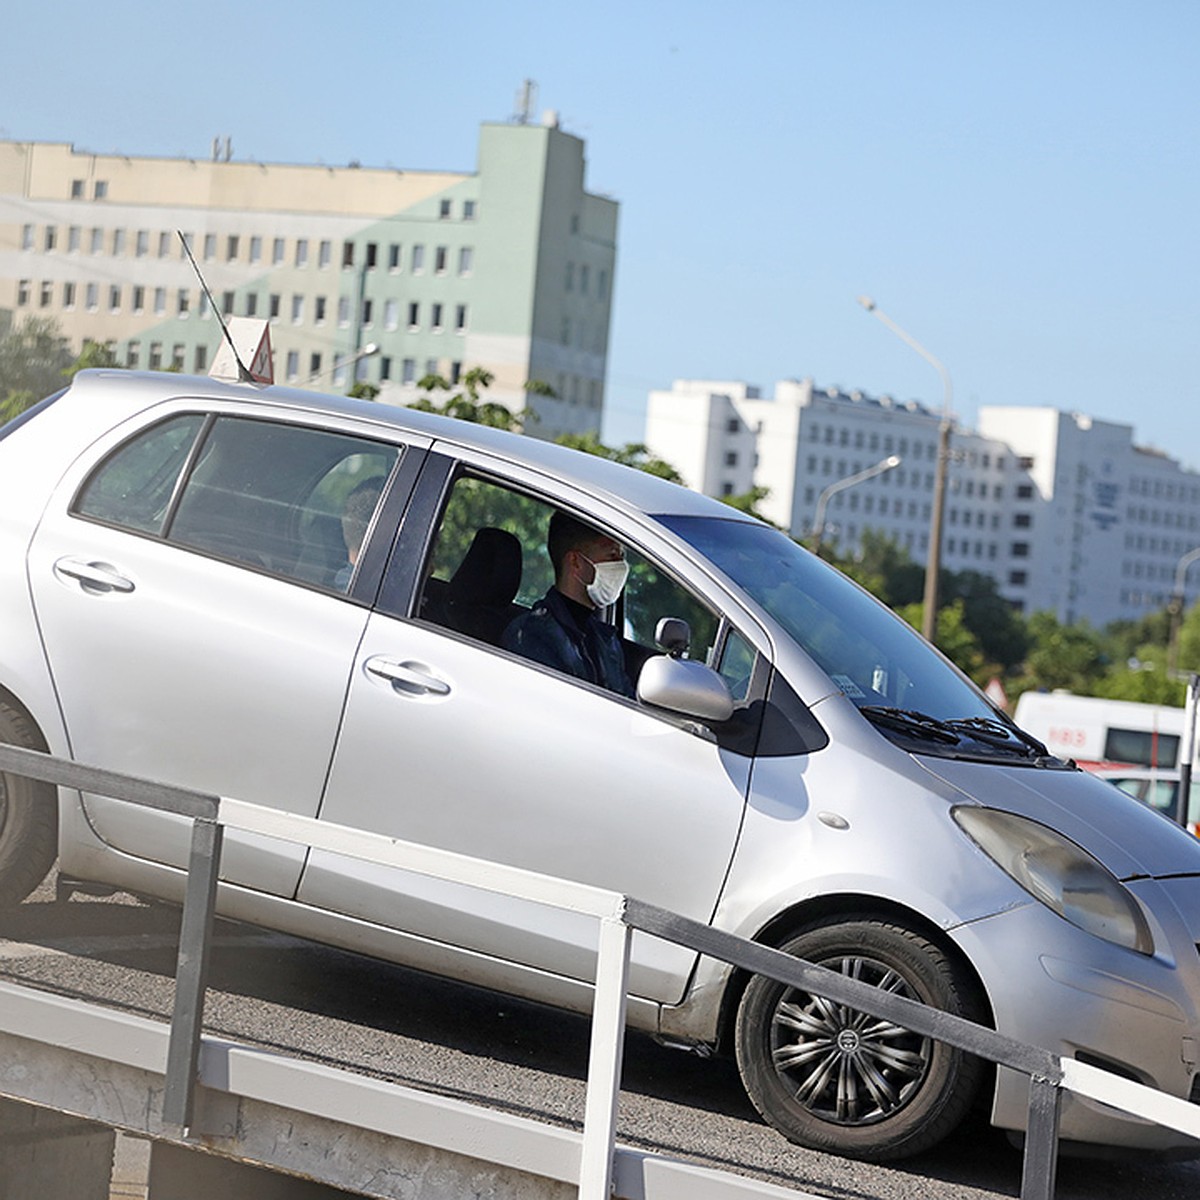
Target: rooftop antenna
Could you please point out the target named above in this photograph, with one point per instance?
(526, 102)
(244, 375)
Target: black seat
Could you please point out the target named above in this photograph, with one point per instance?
(478, 597)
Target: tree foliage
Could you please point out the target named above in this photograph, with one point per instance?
(33, 359)
(632, 454)
(468, 404)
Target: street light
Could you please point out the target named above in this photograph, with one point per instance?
(933, 563)
(341, 363)
(1176, 609)
(818, 525)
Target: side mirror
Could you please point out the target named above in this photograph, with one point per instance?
(683, 686)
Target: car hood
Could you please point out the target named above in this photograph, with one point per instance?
(1130, 839)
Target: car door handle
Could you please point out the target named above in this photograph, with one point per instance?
(95, 577)
(408, 676)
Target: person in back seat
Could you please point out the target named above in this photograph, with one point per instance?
(565, 629)
(356, 516)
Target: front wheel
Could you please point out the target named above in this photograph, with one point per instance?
(834, 1079)
(28, 818)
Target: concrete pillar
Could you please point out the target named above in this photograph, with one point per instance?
(177, 1173)
(46, 1154)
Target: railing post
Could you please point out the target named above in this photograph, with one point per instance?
(604, 1060)
(191, 973)
(1041, 1139)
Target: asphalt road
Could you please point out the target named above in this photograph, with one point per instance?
(382, 1020)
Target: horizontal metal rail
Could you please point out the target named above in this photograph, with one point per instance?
(618, 916)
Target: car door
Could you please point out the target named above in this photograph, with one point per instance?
(187, 590)
(450, 741)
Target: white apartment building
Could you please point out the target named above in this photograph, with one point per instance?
(1066, 513)
(509, 267)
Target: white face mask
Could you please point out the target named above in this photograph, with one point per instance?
(609, 583)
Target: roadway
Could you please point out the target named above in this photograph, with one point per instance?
(381, 1020)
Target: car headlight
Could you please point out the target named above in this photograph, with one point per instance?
(1054, 870)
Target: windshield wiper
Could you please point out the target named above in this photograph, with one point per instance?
(1000, 733)
(908, 720)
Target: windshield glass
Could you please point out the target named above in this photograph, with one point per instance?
(881, 663)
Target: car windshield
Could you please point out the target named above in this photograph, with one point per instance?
(880, 662)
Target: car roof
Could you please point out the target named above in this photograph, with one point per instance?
(622, 486)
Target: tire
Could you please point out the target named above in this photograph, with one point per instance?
(833, 1079)
(28, 817)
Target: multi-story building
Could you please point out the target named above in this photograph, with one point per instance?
(1065, 512)
(381, 275)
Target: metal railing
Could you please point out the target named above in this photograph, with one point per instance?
(618, 917)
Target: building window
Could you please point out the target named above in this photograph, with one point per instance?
(201, 359)
(23, 292)
(455, 372)
(408, 371)
(368, 311)
(443, 210)
(177, 353)
(50, 238)
(440, 255)
(1024, 491)
(160, 301)
(77, 189)
(251, 304)
(585, 275)
(385, 368)
(460, 318)
(256, 249)
(155, 361)
(302, 252)
(183, 304)
(231, 248)
(372, 252)
(435, 319)
(1018, 578)
(1022, 520)
(227, 304)
(314, 364)
(96, 241)
(343, 317)
(469, 210)
(68, 295)
(46, 294)
(293, 364)
(132, 354)
(297, 309)
(118, 242)
(391, 314)
(414, 315)
(26, 237)
(731, 458)
(466, 259)
(394, 256)
(347, 254)
(319, 310)
(1025, 462)
(1019, 550)
(324, 253)
(210, 246)
(141, 245)
(273, 306)
(418, 258)
(164, 245)
(73, 239)
(100, 189)
(569, 282)
(278, 251)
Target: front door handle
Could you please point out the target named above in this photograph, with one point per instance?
(97, 578)
(412, 677)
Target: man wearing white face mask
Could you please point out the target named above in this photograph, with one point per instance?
(564, 629)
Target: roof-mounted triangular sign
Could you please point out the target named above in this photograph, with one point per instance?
(252, 338)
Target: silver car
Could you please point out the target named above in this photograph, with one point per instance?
(180, 599)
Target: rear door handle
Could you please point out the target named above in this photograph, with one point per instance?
(412, 677)
(95, 577)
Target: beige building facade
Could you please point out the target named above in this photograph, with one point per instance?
(371, 274)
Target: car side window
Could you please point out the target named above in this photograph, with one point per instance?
(288, 499)
(489, 565)
(133, 487)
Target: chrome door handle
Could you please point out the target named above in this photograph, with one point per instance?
(95, 577)
(408, 676)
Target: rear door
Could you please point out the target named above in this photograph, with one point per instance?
(201, 617)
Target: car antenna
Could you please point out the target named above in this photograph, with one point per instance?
(244, 375)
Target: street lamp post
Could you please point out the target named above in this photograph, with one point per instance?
(933, 562)
(1176, 609)
(340, 363)
(818, 525)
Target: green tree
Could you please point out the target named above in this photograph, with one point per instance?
(360, 389)
(33, 357)
(1064, 656)
(1189, 640)
(93, 354)
(955, 639)
(1003, 634)
(468, 404)
(748, 502)
(632, 454)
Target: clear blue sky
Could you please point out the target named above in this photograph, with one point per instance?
(1016, 183)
